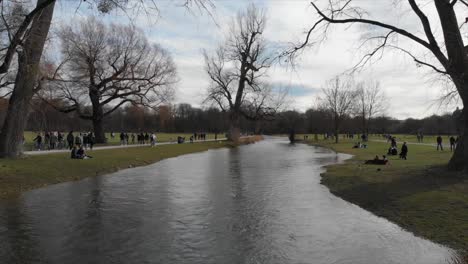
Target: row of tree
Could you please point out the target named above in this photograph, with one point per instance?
(188, 119)
(101, 66)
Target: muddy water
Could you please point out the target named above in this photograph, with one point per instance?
(260, 203)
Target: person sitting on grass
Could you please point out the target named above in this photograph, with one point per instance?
(357, 145)
(377, 161)
(404, 151)
(74, 149)
(78, 152)
(180, 140)
(392, 151)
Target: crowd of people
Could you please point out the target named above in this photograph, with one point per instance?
(58, 140)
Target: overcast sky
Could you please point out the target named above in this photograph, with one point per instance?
(411, 91)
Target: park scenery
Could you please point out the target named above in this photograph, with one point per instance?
(234, 131)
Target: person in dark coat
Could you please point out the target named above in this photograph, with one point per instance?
(404, 151)
(70, 139)
(439, 143)
(452, 143)
(91, 140)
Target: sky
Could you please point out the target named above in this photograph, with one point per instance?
(411, 91)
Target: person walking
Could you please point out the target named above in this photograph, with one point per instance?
(38, 140)
(404, 151)
(70, 139)
(153, 139)
(439, 143)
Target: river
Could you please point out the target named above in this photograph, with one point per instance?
(260, 203)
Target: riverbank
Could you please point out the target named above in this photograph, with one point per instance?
(31, 172)
(419, 194)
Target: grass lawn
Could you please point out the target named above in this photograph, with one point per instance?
(37, 171)
(161, 137)
(419, 194)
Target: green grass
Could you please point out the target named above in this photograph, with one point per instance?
(161, 137)
(37, 171)
(419, 194)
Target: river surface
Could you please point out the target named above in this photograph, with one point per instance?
(260, 203)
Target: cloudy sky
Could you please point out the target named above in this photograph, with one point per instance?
(411, 90)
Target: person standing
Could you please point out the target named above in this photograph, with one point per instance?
(60, 140)
(53, 140)
(47, 141)
(78, 140)
(439, 143)
(91, 140)
(122, 138)
(70, 139)
(452, 143)
(404, 151)
(153, 139)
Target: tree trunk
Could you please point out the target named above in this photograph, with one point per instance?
(234, 127)
(98, 116)
(11, 137)
(337, 124)
(98, 128)
(460, 156)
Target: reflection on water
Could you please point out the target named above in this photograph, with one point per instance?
(260, 203)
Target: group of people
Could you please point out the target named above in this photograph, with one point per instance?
(453, 143)
(57, 140)
(420, 137)
(141, 138)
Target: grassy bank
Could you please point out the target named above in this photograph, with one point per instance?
(32, 172)
(418, 194)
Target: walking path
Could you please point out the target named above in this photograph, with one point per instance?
(45, 152)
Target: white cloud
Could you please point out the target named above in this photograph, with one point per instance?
(185, 34)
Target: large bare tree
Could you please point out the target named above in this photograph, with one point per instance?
(29, 56)
(338, 99)
(236, 71)
(447, 50)
(24, 40)
(108, 66)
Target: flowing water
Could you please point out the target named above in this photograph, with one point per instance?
(260, 203)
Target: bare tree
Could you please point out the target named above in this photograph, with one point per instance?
(449, 52)
(236, 70)
(26, 79)
(338, 100)
(25, 39)
(370, 101)
(107, 67)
